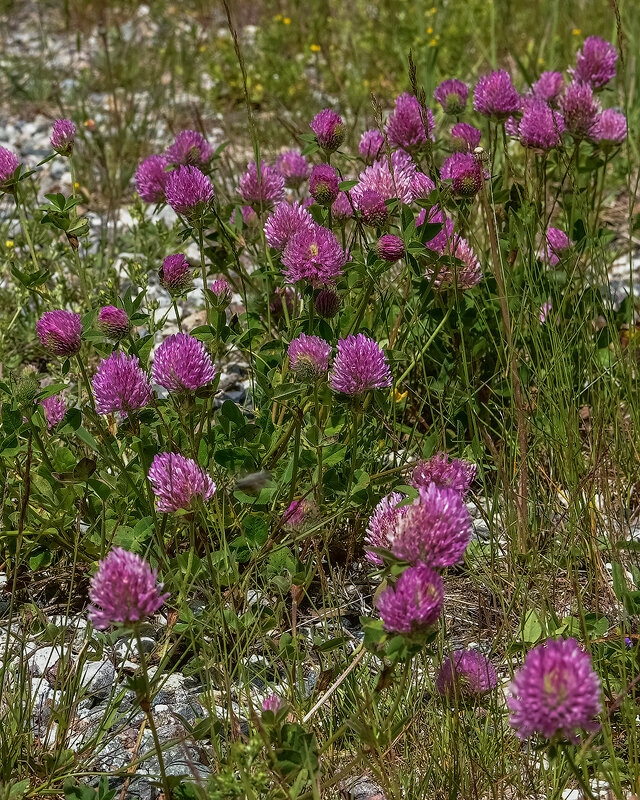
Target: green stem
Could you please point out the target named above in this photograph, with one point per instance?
(424, 348)
(145, 705)
(577, 774)
(43, 449)
(296, 457)
(178, 320)
(25, 230)
(203, 268)
(354, 451)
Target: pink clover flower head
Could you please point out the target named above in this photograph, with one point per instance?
(175, 273)
(580, 109)
(389, 182)
(179, 483)
(390, 248)
(541, 127)
(495, 96)
(512, 127)
(549, 87)
(327, 303)
(342, 209)
(272, 703)
(293, 167)
(446, 473)
(596, 62)
(465, 172)
(189, 192)
(415, 602)
(299, 514)
(422, 186)
(124, 590)
(8, 165)
(556, 244)
(189, 149)
(151, 179)
(54, 409)
(182, 364)
(315, 255)
(221, 289)
(371, 144)
(360, 365)
(372, 208)
(406, 128)
(452, 95)
(545, 309)
(261, 191)
(466, 673)
(440, 241)
(113, 322)
(329, 130)
(436, 528)
(309, 357)
(610, 129)
(120, 384)
(324, 184)
(555, 693)
(465, 136)
(59, 331)
(63, 136)
(382, 525)
(284, 222)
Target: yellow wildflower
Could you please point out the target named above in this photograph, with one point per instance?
(576, 31)
(315, 48)
(9, 243)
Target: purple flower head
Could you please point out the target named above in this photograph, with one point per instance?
(261, 191)
(390, 248)
(175, 273)
(371, 144)
(189, 149)
(580, 109)
(309, 357)
(120, 384)
(556, 244)
(495, 96)
(8, 165)
(124, 590)
(596, 62)
(415, 603)
(293, 167)
(329, 130)
(299, 514)
(359, 366)
(466, 673)
(555, 692)
(406, 128)
(182, 364)
(341, 210)
(440, 240)
(372, 208)
(221, 289)
(382, 525)
(422, 186)
(456, 473)
(545, 309)
(549, 87)
(151, 179)
(512, 127)
(465, 172)
(63, 136)
(179, 482)
(436, 528)
(189, 192)
(541, 127)
(610, 129)
(59, 332)
(113, 322)
(465, 136)
(323, 184)
(389, 183)
(327, 303)
(54, 409)
(466, 275)
(283, 223)
(315, 255)
(272, 703)
(452, 95)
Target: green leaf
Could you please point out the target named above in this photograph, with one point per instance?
(532, 629)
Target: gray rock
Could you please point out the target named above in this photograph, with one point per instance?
(98, 678)
(43, 658)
